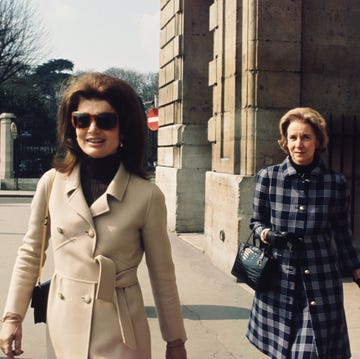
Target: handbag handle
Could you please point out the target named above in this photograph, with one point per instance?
(266, 248)
(254, 239)
(243, 245)
(46, 220)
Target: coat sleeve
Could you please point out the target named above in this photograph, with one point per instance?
(161, 268)
(261, 205)
(26, 268)
(342, 232)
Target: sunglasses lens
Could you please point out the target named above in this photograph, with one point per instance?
(106, 121)
(81, 120)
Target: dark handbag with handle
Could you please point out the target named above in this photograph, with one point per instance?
(254, 265)
(40, 292)
(39, 301)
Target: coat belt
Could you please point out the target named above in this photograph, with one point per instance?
(108, 281)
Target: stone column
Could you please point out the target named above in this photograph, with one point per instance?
(184, 154)
(255, 77)
(6, 146)
(271, 77)
(223, 182)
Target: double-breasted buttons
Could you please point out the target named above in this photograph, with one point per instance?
(91, 233)
(302, 208)
(307, 271)
(59, 230)
(86, 298)
(313, 303)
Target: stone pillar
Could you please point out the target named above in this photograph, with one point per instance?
(225, 82)
(6, 146)
(271, 77)
(255, 77)
(223, 183)
(184, 153)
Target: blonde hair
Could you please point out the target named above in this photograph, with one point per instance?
(307, 115)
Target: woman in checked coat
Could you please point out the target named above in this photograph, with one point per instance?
(104, 216)
(300, 206)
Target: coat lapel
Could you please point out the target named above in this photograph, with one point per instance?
(118, 185)
(76, 197)
(116, 189)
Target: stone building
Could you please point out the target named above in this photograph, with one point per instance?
(229, 69)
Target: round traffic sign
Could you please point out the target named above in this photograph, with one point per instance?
(153, 119)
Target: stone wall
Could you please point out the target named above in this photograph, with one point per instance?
(330, 56)
(184, 155)
(229, 70)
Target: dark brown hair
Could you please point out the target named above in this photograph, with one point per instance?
(132, 120)
(307, 115)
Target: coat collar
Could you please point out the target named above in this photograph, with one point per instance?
(118, 185)
(116, 189)
(289, 170)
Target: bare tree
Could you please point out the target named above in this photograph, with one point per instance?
(20, 38)
(145, 84)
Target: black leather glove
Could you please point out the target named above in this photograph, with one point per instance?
(277, 239)
(296, 243)
(357, 281)
(281, 240)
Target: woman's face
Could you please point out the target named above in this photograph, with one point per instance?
(301, 142)
(94, 141)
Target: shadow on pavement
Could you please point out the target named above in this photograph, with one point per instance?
(207, 312)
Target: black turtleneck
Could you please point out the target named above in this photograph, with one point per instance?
(96, 174)
(305, 169)
(304, 172)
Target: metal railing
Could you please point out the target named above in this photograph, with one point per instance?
(32, 161)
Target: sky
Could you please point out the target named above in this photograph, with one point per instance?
(98, 34)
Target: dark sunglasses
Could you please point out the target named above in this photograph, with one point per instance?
(104, 121)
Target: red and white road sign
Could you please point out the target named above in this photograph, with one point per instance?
(153, 119)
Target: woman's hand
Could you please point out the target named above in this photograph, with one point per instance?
(264, 234)
(176, 350)
(11, 333)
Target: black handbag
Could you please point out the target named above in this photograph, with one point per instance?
(254, 265)
(39, 301)
(40, 292)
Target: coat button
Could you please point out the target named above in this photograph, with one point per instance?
(61, 296)
(307, 271)
(86, 299)
(60, 230)
(91, 233)
(302, 208)
(313, 303)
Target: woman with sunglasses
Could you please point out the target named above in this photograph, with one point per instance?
(104, 216)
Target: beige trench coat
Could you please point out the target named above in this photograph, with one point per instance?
(95, 307)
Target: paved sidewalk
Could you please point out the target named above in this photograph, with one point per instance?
(236, 327)
(215, 307)
(19, 194)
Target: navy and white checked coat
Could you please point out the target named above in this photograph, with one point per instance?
(303, 315)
